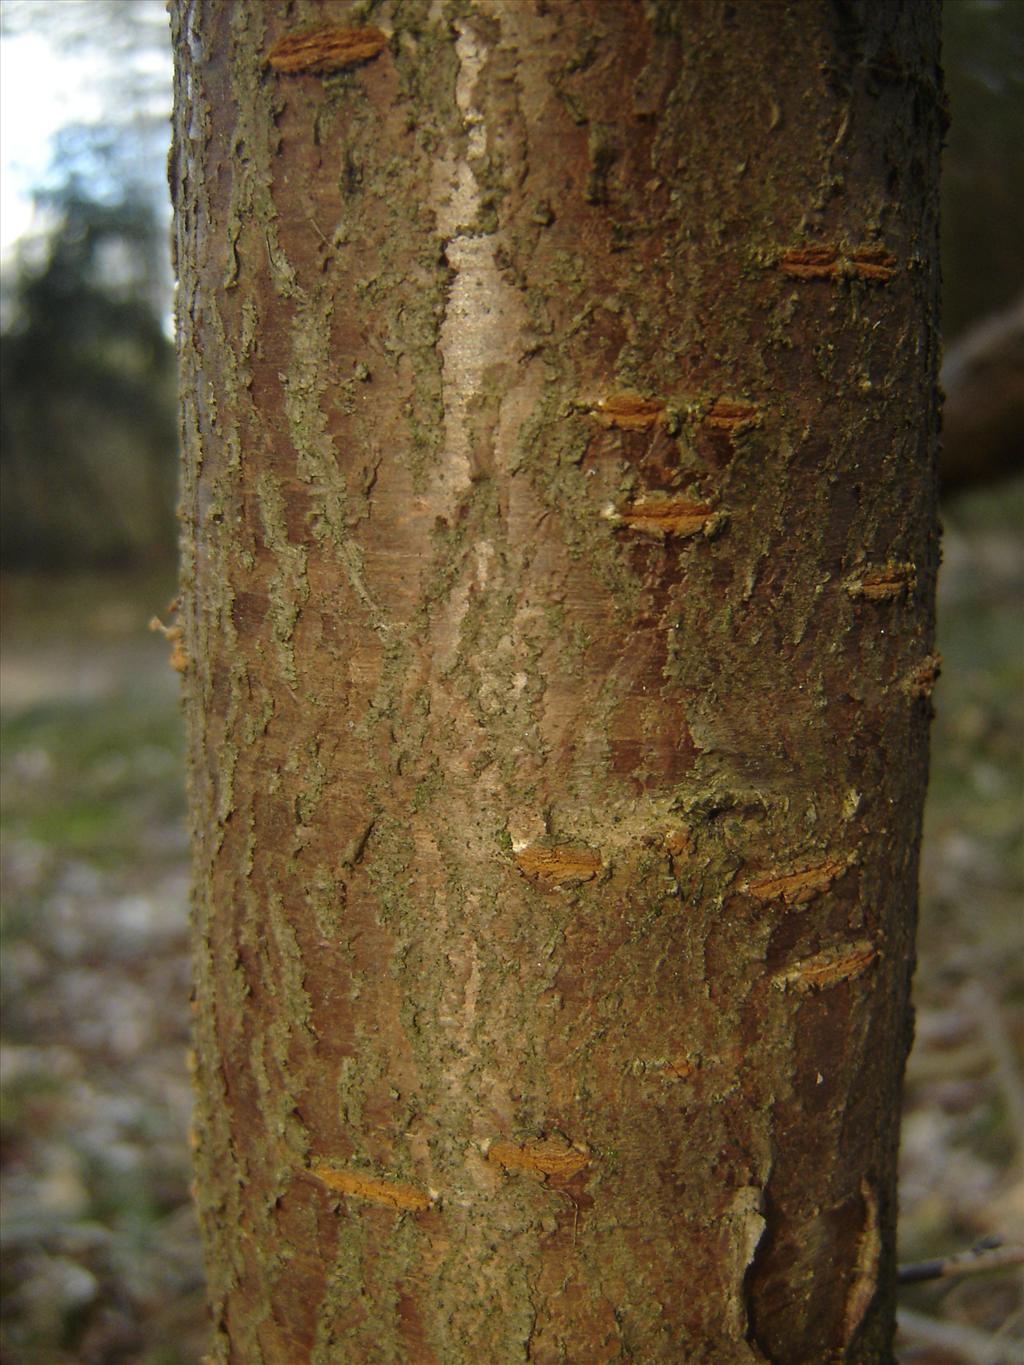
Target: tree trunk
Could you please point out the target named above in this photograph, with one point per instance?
(559, 553)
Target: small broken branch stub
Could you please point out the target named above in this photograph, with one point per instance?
(325, 49)
(678, 842)
(173, 635)
(680, 1068)
(920, 681)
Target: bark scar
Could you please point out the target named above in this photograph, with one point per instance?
(828, 968)
(663, 517)
(325, 49)
(559, 866)
(353, 851)
(629, 412)
(730, 416)
(887, 581)
(393, 1194)
(799, 886)
(552, 1158)
(832, 263)
(865, 1269)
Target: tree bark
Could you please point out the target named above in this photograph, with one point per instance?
(559, 550)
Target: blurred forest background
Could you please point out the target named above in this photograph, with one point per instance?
(100, 1255)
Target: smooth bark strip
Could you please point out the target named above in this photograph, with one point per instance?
(559, 553)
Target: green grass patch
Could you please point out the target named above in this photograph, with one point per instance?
(89, 780)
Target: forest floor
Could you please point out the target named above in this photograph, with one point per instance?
(100, 1251)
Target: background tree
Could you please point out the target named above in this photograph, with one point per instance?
(983, 169)
(559, 414)
(88, 431)
(982, 228)
(87, 458)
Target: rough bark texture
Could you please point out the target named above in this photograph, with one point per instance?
(559, 551)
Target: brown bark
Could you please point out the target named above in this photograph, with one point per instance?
(559, 552)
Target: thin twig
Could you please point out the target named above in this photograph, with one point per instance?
(977, 1261)
(975, 1348)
